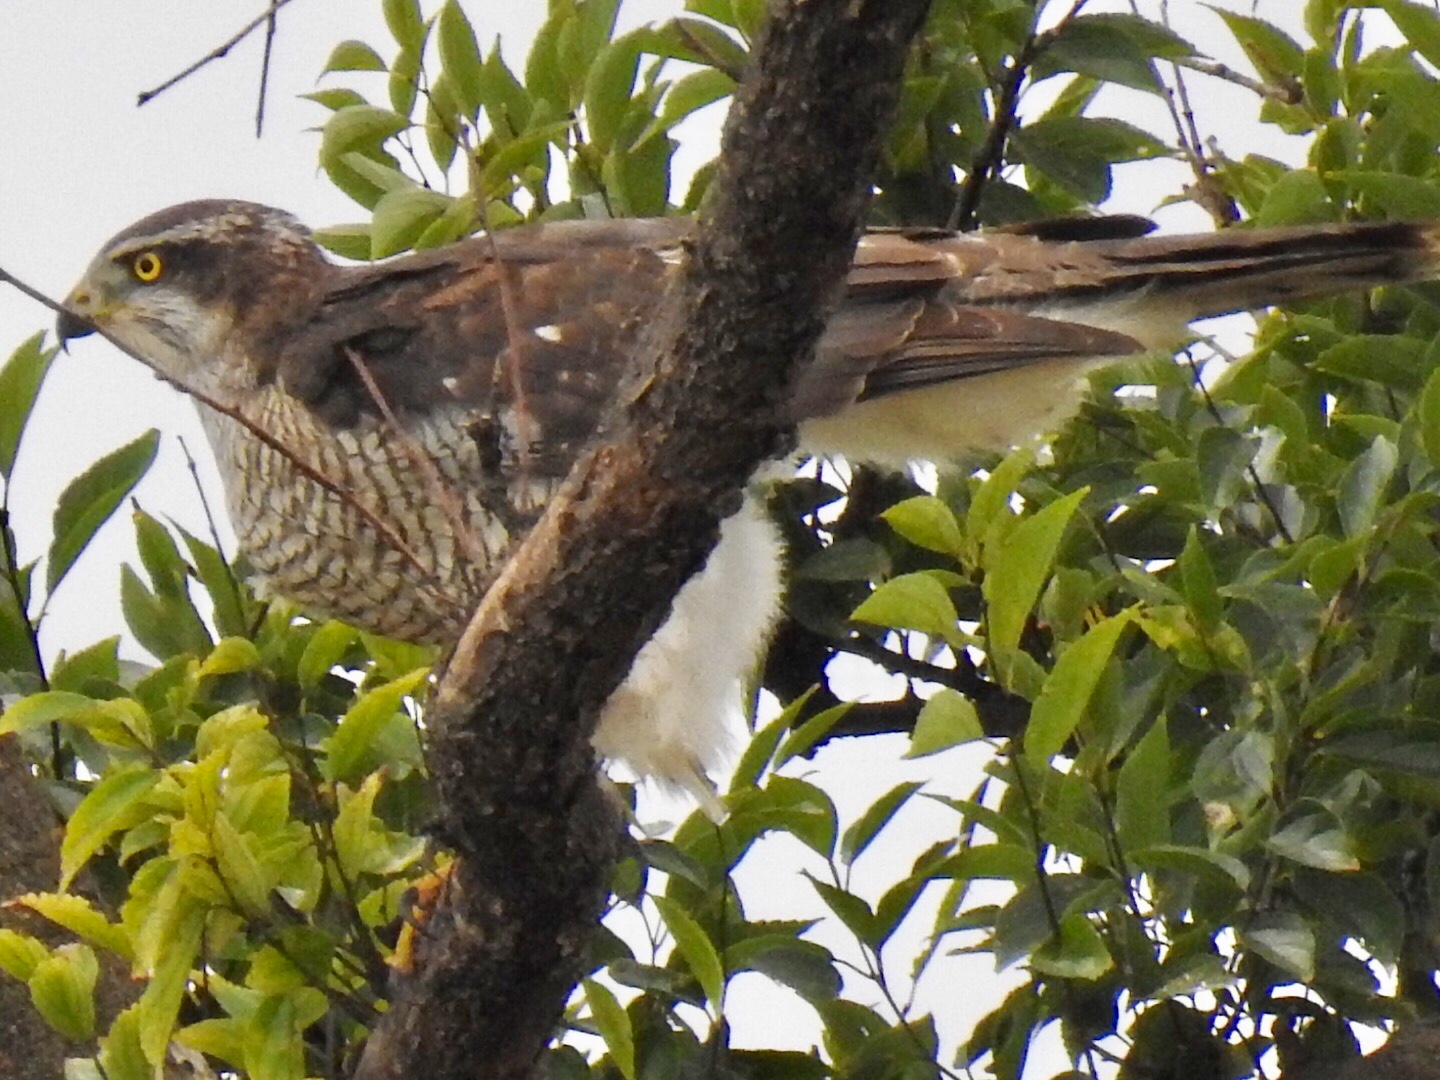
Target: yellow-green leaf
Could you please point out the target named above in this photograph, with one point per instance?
(613, 1024)
(345, 751)
(697, 949)
(947, 719)
(111, 805)
(80, 917)
(62, 989)
(1067, 690)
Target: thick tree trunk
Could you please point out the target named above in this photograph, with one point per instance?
(512, 717)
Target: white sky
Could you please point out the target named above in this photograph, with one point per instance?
(79, 161)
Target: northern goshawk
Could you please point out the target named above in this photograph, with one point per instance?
(495, 357)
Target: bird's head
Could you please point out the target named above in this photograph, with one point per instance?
(190, 288)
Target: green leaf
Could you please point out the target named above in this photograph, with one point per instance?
(347, 241)
(859, 835)
(698, 42)
(1196, 861)
(404, 82)
(1361, 905)
(335, 98)
(231, 655)
(1077, 952)
(401, 216)
(107, 808)
(273, 1047)
(1316, 840)
(460, 57)
(358, 127)
(613, 1024)
(1114, 48)
(1142, 805)
(159, 1005)
(353, 56)
(20, 382)
(911, 602)
(119, 723)
(1016, 569)
(80, 917)
(405, 22)
(1363, 486)
(697, 949)
(155, 621)
(799, 739)
(1428, 410)
(323, 652)
(62, 989)
(98, 663)
(347, 750)
(990, 508)
(1283, 938)
(220, 584)
(20, 954)
(1201, 587)
(948, 718)
(803, 966)
(1068, 688)
(89, 500)
(121, 1055)
(1375, 358)
(1399, 196)
(853, 912)
(1277, 57)
(926, 522)
(692, 93)
(608, 87)
(1420, 25)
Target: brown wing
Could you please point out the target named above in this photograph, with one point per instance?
(909, 319)
(532, 346)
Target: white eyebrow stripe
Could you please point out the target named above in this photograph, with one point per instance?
(551, 333)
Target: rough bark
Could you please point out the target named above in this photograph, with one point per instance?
(512, 716)
(30, 835)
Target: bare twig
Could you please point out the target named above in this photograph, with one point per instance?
(991, 155)
(1289, 95)
(424, 463)
(1205, 192)
(265, 68)
(217, 53)
(210, 524)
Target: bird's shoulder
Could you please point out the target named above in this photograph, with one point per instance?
(546, 315)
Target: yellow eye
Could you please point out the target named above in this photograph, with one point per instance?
(147, 266)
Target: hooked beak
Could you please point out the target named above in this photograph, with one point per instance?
(76, 320)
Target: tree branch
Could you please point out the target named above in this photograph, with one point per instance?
(497, 956)
(265, 18)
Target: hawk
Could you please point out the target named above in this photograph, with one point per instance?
(387, 433)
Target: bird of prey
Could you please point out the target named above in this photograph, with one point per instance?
(387, 433)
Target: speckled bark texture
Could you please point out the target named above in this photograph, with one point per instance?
(30, 862)
(512, 717)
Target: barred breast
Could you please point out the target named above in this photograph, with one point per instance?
(385, 542)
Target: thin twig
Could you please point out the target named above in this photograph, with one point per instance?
(265, 67)
(1284, 95)
(214, 529)
(1205, 192)
(217, 53)
(424, 462)
(991, 155)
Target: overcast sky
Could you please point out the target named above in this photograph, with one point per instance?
(79, 161)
